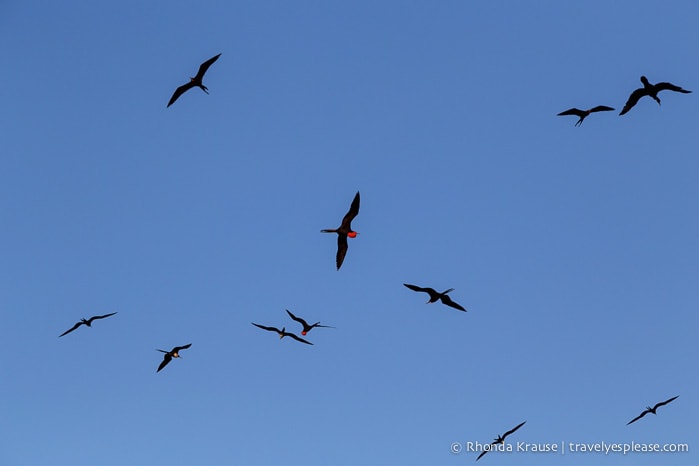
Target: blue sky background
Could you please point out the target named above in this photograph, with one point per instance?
(574, 249)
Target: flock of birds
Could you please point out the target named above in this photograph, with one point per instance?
(648, 89)
(345, 231)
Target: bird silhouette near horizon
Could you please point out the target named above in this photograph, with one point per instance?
(196, 81)
(306, 327)
(500, 439)
(282, 333)
(651, 410)
(650, 90)
(87, 322)
(582, 114)
(344, 231)
(173, 353)
(435, 296)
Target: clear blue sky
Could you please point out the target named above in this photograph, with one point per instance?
(574, 249)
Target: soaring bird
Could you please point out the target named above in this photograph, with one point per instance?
(344, 231)
(435, 296)
(282, 333)
(651, 410)
(650, 90)
(582, 114)
(195, 81)
(500, 439)
(87, 322)
(306, 328)
(173, 353)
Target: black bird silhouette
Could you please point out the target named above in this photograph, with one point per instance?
(651, 410)
(582, 114)
(282, 333)
(87, 322)
(306, 328)
(500, 439)
(650, 90)
(195, 81)
(344, 231)
(173, 353)
(435, 296)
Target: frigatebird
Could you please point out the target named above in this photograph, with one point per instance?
(500, 439)
(173, 353)
(87, 322)
(306, 328)
(651, 410)
(344, 231)
(195, 81)
(282, 333)
(650, 90)
(434, 296)
(582, 114)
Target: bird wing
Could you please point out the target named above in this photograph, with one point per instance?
(179, 348)
(663, 403)
(179, 91)
(297, 319)
(482, 453)
(670, 87)
(205, 66)
(601, 108)
(351, 213)
(638, 417)
(572, 111)
(70, 329)
(447, 300)
(341, 249)
(633, 99)
(418, 288)
(513, 430)
(270, 329)
(101, 317)
(166, 359)
(298, 338)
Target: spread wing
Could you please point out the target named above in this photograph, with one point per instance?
(601, 108)
(670, 87)
(298, 338)
(205, 66)
(573, 111)
(179, 91)
(297, 319)
(447, 300)
(418, 288)
(513, 430)
(70, 329)
(663, 403)
(482, 453)
(341, 249)
(270, 329)
(633, 99)
(166, 359)
(638, 417)
(101, 317)
(177, 349)
(351, 213)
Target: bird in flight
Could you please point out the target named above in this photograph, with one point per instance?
(87, 322)
(582, 114)
(195, 81)
(173, 353)
(650, 90)
(306, 328)
(651, 410)
(500, 439)
(435, 296)
(344, 231)
(282, 333)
